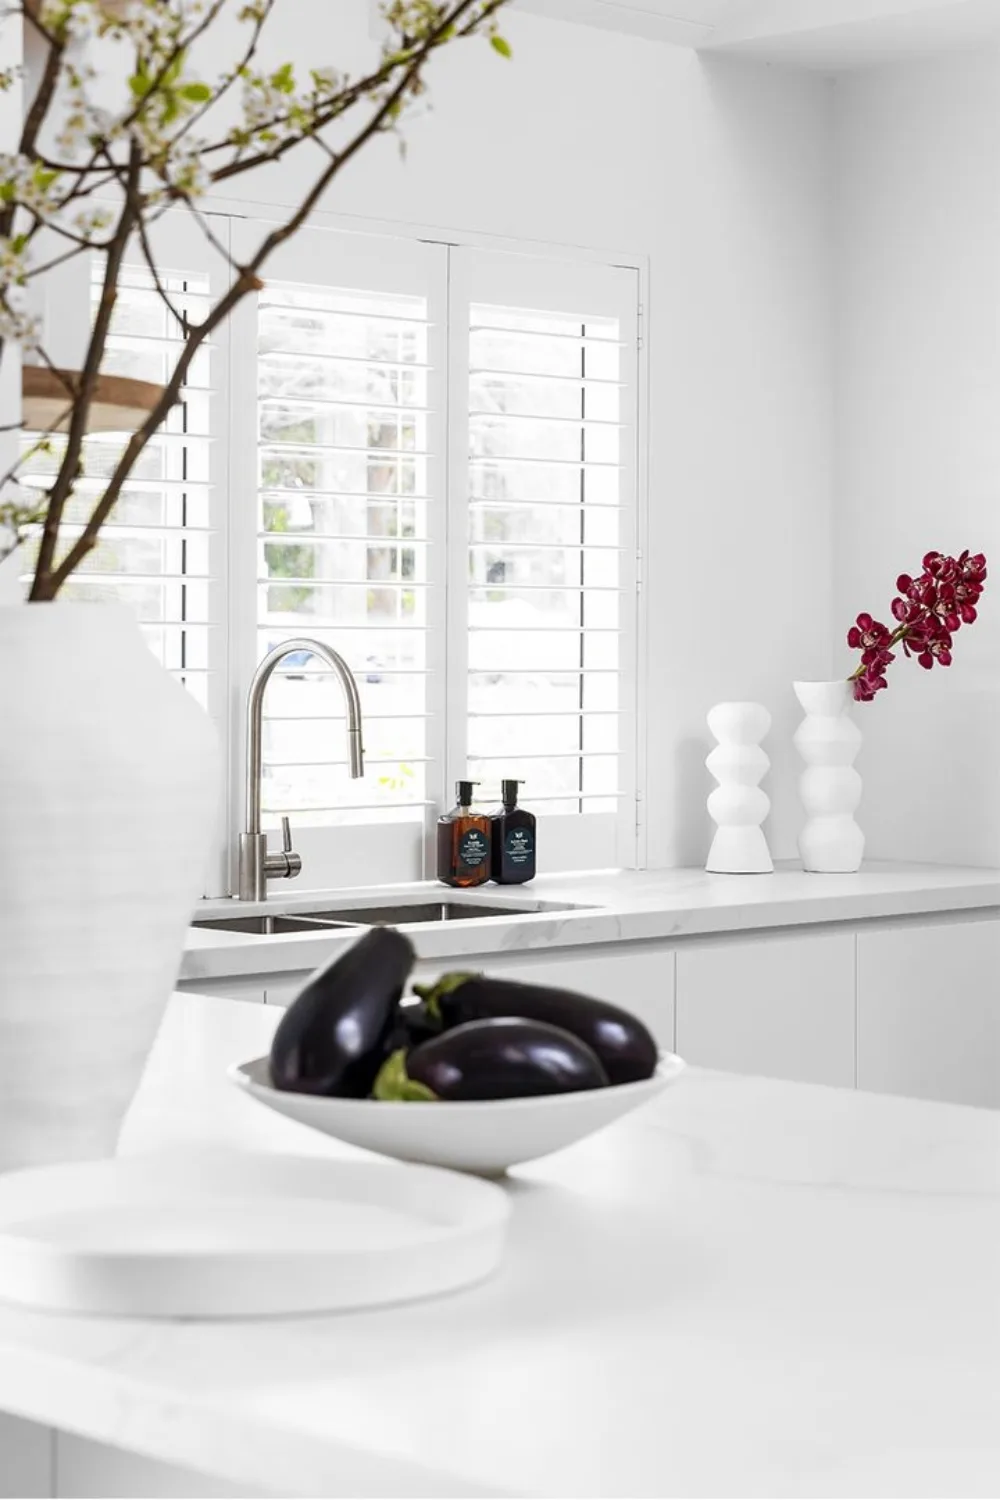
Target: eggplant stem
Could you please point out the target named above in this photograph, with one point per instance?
(394, 1085)
(432, 994)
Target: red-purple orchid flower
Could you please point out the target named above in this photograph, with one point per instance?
(928, 609)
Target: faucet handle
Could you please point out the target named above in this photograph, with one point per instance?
(287, 864)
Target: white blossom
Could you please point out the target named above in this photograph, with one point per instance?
(20, 509)
(19, 326)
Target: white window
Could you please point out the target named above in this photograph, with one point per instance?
(158, 554)
(424, 456)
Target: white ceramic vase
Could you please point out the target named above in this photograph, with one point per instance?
(738, 805)
(109, 787)
(828, 740)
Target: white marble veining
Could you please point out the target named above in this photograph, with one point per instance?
(750, 1288)
(613, 906)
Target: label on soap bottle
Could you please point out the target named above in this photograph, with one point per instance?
(473, 848)
(519, 846)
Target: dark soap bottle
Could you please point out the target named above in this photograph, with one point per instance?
(463, 852)
(513, 838)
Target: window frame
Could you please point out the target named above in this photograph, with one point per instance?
(339, 856)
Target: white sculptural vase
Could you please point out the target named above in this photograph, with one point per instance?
(738, 805)
(828, 740)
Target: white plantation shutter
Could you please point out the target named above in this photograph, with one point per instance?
(349, 509)
(543, 459)
(342, 541)
(159, 552)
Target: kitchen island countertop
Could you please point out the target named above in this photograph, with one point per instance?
(748, 1287)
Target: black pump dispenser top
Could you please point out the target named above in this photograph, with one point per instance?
(508, 793)
(463, 790)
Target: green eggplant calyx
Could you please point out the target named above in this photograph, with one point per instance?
(393, 1084)
(432, 994)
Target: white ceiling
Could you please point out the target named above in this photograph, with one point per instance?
(828, 35)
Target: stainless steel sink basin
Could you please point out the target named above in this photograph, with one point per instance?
(419, 911)
(371, 916)
(267, 926)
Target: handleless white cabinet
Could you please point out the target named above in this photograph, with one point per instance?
(780, 1005)
(929, 1011)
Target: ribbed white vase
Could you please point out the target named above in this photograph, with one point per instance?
(829, 740)
(738, 805)
(109, 787)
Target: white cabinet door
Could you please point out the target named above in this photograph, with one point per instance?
(780, 1006)
(236, 987)
(95, 1471)
(929, 1011)
(281, 989)
(25, 1459)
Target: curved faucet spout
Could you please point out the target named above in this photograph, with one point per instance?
(255, 863)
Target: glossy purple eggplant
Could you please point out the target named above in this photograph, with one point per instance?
(504, 1058)
(337, 1033)
(624, 1045)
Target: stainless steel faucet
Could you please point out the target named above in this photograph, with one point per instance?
(257, 867)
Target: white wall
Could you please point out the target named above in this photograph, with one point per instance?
(918, 381)
(719, 172)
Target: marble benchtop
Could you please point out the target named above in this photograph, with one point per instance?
(747, 1288)
(610, 906)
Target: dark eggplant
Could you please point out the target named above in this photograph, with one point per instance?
(623, 1044)
(336, 1034)
(412, 1024)
(502, 1058)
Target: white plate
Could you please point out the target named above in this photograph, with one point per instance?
(485, 1137)
(224, 1234)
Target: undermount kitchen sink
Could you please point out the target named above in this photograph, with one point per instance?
(266, 926)
(373, 916)
(419, 911)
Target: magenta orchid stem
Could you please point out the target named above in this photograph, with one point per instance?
(929, 610)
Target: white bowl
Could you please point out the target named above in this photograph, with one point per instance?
(487, 1136)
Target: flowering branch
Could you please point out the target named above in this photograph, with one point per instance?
(145, 156)
(929, 609)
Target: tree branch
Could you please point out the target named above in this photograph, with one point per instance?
(246, 283)
(208, 232)
(228, 79)
(44, 585)
(349, 96)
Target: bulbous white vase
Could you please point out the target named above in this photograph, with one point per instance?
(109, 788)
(738, 805)
(828, 740)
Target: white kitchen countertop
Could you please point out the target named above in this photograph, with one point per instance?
(749, 1287)
(624, 905)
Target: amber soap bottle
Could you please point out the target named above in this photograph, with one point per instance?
(513, 839)
(463, 842)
